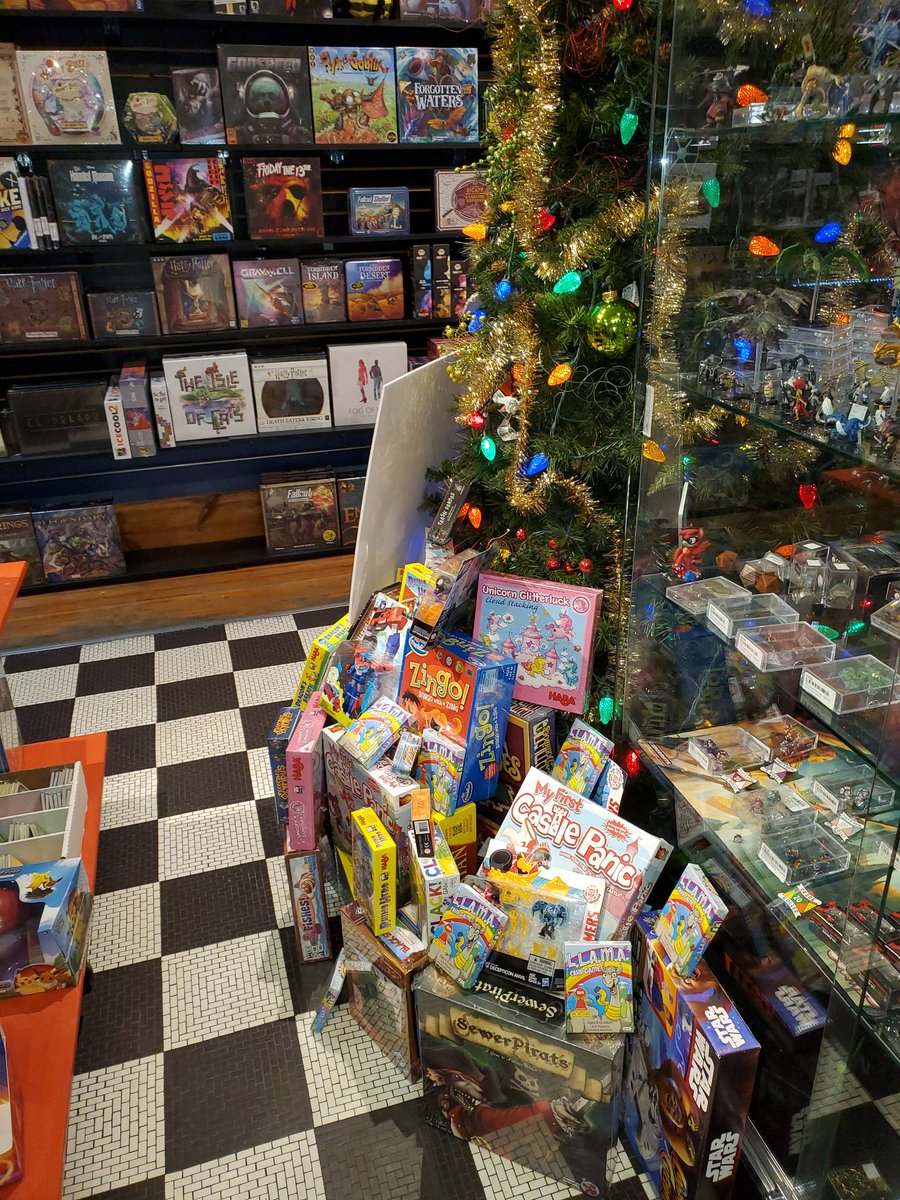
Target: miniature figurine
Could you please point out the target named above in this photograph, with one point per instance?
(688, 560)
(847, 427)
(551, 916)
(708, 371)
(768, 390)
(820, 93)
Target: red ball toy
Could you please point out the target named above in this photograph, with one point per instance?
(552, 563)
(521, 535)
(586, 566)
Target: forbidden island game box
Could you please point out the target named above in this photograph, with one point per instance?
(689, 1078)
(380, 973)
(45, 909)
(464, 690)
(521, 1088)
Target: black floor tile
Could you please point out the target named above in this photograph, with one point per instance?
(121, 1017)
(44, 722)
(116, 674)
(127, 857)
(272, 832)
(391, 1153)
(174, 639)
(318, 616)
(41, 660)
(203, 783)
(215, 906)
(149, 1189)
(267, 651)
(308, 981)
(131, 749)
(257, 720)
(233, 1092)
(193, 697)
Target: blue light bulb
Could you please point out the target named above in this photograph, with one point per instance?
(828, 233)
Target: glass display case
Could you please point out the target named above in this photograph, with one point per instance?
(761, 684)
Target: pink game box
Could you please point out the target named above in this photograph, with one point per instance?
(305, 779)
(548, 628)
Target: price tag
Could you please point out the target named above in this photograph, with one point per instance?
(750, 650)
(648, 409)
(819, 689)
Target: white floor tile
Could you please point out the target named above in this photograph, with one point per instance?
(267, 685)
(195, 842)
(128, 798)
(220, 988)
(503, 1179)
(281, 892)
(889, 1107)
(115, 1128)
(114, 710)
(199, 737)
(260, 626)
(116, 648)
(125, 927)
(192, 662)
(284, 1170)
(347, 1073)
(261, 773)
(43, 686)
(308, 636)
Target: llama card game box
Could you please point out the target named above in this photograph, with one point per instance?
(548, 628)
(689, 919)
(599, 987)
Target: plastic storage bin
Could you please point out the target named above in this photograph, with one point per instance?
(727, 749)
(852, 684)
(887, 619)
(694, 597)
(732, 613)
(853, 791)
(783, 647)
(794, 856)
(786, 737)
(776, 808)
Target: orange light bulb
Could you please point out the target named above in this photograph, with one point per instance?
(749, 93)
(560, 373)
(842, 152)
(475, 516)
(477, 232)
(763, 247)
(518, 372)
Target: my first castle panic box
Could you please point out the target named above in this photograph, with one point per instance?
(464, 690)
(519, 1087)
(690, 1075)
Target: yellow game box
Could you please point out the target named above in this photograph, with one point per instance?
(374, 870)
(317, 658)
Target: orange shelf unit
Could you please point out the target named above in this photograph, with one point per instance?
(41, 1031)
(11, 576)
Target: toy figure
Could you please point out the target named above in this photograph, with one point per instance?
(708, 371)
(719, 99)
(551, 915)
(768, 390)
(359, 678)
(820, 93)
(826, 407)
(688, 560)
(849, 428)
(800, 409)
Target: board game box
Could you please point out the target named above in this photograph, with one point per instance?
(599, 987)
(305, 770)
(437, 94)
(374, 289)
(358, 375)
(13, 125)
(60, 418)
(548, 628)
(188, 199)
(149, 117)
(210, 394)
(291, 393)
(469, 926)
(307, 887)
(374, 212)
(284, 198)
(79, 542)
(266, 93)
(324, 294)
(353, 94)
(68, 97)
(17, 228)
(42, 306)
(299, 513)
(549, 827)
(194, 292)
(689, 919)
(689, 1077)
(123, 314)
(19, 544)
(267, 292)
(374, 870)
(460, 198)
(350, 496)
(96, 201)
(198, 105)
(468, 11)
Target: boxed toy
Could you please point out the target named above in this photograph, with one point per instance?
(599, 987)
(44, 914)
(530, 742)
(461, 835)
(451, 584)
(308, 905)
(518, 1087)
(465, 691)
(316, 659)
(469, 926)
(439, 768)
(690, 1076)
(689, 920)
(582, 758)
(277, 741)
(10, 1122)
(371, 735)
(548, 628)
(374, 870)
(305, 779)
(550, 828)
(434, 879)
(379, 985)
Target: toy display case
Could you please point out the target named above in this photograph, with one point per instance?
(766, 569)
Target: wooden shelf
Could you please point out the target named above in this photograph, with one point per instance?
(41, 1031)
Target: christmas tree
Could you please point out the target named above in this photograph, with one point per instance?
(547, 353)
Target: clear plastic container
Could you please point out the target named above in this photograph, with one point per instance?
(748, 612)
(796, 855)
(853, 791)
(694, 597)
(761, 574)
(852, 684)
(887, 619)
(786, 737)
(776, 808)
(782, 647)
(727, 749)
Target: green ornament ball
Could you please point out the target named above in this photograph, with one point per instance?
(612, 326)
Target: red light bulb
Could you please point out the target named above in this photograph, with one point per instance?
(623, 5)
(632, 762)
(808, 494)
(476, 421)
(545, 220)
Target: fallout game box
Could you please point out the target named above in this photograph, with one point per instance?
(518, 1086)
(299, 514)
(350, 498)
(689, 1078)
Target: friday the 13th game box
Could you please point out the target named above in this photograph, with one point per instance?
(689, 1078)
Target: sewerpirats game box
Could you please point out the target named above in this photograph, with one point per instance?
(690, 1076)
(519, 1087)
(465, 691)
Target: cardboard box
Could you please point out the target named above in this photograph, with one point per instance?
(466, 690)
(434, 879)
(306, 780)
(689, 1078)
(374, 870)
(519, 1087)
(379, 986)
(56, 808)
(307, 885)
(45, 909)
(11, 1167)
(277, 742)
(314, 668)
(461, 834)
(530, 742)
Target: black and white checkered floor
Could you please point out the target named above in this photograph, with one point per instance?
(197, 1074)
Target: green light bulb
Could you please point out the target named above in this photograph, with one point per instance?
(570, 282)
(628, 123)
(606, 708)
(711, 192)
(489, 448)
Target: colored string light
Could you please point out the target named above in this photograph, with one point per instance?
(570, 282)
(763, 247)
(489, 448)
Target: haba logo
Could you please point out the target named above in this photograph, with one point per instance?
(520, 1045)
(566, 699)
